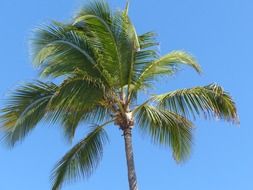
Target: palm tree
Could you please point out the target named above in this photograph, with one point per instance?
(102, 65)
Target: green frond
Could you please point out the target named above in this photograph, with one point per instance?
(59, 50)
(166, 65)
(166, 128)
(147, 54)
(75, 95)
(70, 120)
(99, 8)
(24, 109)
(148, 40)
(103, 39)
(142, 59)
(135, 48)
(114, 37)
(81, 160)
(128, 44)
(209, 101)
(78, 100)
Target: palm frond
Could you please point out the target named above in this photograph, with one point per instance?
(128, 44)
(147, 54)
(25, 108)
(209, 101)
(102, 38)
(135, 48)
(70, 120)
(166, 128)
(81, 160)
(113, 35)
(77, 100)
(165, 65)
(60, 50)
(148, 40)
(99, 8)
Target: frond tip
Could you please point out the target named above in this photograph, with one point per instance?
(210, 101)
(81, 160)
(25, 107)
(166, 128)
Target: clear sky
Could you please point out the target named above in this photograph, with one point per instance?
(219, 33)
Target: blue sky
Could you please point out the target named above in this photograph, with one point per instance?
(218, 33)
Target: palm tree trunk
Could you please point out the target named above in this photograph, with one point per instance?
(132, 180)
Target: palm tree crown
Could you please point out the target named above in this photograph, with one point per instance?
(103, 64)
